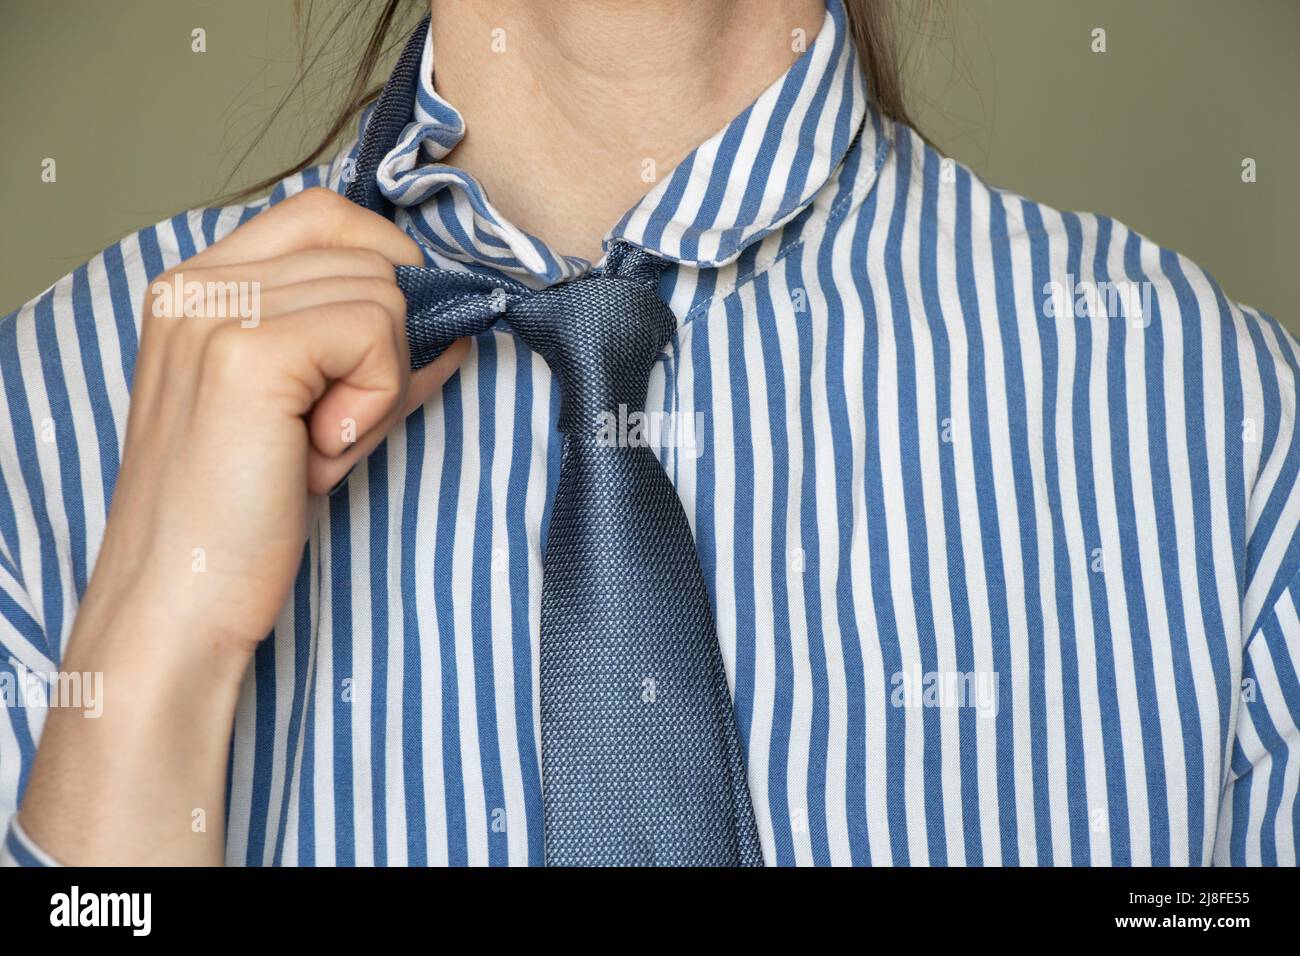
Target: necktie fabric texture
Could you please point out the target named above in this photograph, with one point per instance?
(641, 758)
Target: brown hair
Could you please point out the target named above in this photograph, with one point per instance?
(871, 24)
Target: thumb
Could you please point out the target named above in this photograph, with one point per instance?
(433, 376)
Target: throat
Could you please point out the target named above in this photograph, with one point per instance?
(575, 109)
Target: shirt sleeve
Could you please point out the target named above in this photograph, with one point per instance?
(1260, 812)
(19, 850)
(25, 669)
(1259, 809)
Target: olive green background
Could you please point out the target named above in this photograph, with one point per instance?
(1152, 132)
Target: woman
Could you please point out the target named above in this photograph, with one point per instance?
(993, 507)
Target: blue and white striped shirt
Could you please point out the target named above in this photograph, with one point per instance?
(997, 505)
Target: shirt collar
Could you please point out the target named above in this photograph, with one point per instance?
(741, 184)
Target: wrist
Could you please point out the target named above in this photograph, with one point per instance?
(145, 635)
(120, 777)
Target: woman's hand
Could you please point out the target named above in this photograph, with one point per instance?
(234, 419)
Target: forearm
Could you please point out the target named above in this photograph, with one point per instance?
(144, 781)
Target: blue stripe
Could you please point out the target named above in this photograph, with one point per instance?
(69, 459)
(521, 633)
(264, 704)
(344, 690)
(92, 369)
(819, 731)
(379, 582)
(886, 623)
(443, 575)
(412, 662)
(482, 582)
(124, 314)
(783, 652)
(307, 779)
(742, 543)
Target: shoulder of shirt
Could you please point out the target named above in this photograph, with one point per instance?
(115, 278)
(1190, 308)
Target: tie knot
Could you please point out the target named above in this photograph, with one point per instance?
(600, 336)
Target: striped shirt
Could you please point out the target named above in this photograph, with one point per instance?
(997, 506)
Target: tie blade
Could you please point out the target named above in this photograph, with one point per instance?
(642, 759)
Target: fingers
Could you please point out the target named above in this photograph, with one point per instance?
(285, 299)
(314, 218)
(330, 334)
(308, 264)
(291, 362)
(267, 288)
(358, 343)
(352, 369)
(334, 343)
(290, 285)
(295, 268)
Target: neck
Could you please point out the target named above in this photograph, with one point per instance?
(575, 108)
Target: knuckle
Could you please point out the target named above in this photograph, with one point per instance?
(230, 354)
(183, 291)
(159, 300)
(323, 208)
(321, 199)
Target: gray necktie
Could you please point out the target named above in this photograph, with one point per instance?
(641, 758)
